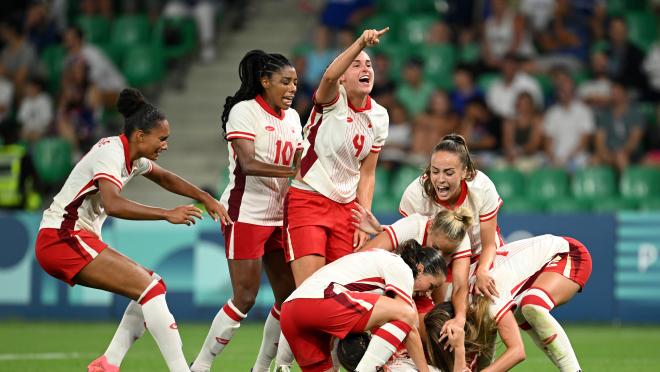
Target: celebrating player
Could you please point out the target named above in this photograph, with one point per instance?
(264, 141)
(69, 245)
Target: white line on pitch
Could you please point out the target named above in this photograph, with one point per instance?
(40, 356)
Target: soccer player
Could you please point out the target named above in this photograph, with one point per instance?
(69, 245)
(264, 141)
(369, 290)
(536, 275)
(451, 181)
(343, 136)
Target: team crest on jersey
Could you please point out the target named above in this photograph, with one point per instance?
(349, 119)
(270, 128)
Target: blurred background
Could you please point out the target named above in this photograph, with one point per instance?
(557, 100)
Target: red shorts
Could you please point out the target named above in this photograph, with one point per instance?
(317, 225)
(63, 253)
(575, 265)
(310, 323)
(244, 241)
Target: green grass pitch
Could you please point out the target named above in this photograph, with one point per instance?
(62, 346)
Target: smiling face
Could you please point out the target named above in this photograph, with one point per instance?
(447, 172)
(359, 77)
(150, 144)
(280, 88)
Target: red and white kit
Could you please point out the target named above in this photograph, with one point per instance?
(338, 137)
(337, 300)
(478, 195)
(527, 258)
(70, 231)
(255, 204)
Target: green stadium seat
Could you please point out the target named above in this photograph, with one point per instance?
(594, 183)
(652, 204)
(52, 160)
(131, 31)
(143, 66)
(424, 6)
(182, 29)
(521, 205)
(380, 21)
(545, 82)
(388, 204)
(642, 28)
(413, 30)
(439, 63)
(566, 205)
(394, 7)
(114, 52)
(382, 183)
(484, 81)
(612, 205)
(639, 183)
(547, 184)
(96, 29)
(403, 177)
(53, 57)
(509, 182)
(397, 54)
(619, 7)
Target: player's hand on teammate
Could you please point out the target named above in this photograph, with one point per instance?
(454, 338)
(453, 323)
(485, 285)
(363, 220)
(370, 38)
(216, 210)
(184, 214)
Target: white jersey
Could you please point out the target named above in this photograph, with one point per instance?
(78, 205)
(374, 271)
(415, 227)
(522, 260)
(260, 200)
(338, 137)
(478, 195)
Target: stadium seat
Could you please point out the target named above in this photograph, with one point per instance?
(545, 83)
(52, 159)
(509, 182)
(394, 7)
(388, 204)
(380, 21)
(439, 64)
(521, 205)
(469, 53)
(547, 184)
(642, 28)
(382, 184)
(593, 184)
(403, 177)
(484, 81)
(566, 205)
(639, 183)
(96, 29)
(143, 66)
(651, 204)
(619, 7)
(612, 205)
(131, 31)
(177, 37)
(114, 52)
(413, 30)
(53, 58)
(397, 55)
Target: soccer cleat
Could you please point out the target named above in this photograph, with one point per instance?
(101, 364)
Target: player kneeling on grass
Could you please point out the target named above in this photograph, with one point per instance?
(69, 245)
(369, 290)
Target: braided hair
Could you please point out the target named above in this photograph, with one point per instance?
(255, 65)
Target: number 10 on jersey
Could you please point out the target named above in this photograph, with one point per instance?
(284, 152)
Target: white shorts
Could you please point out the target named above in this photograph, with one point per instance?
(404, 364)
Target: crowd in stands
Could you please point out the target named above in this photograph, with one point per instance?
(529, 83)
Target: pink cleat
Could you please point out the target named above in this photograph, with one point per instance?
(101, 364)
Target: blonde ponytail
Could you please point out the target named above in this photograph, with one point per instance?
(452, 223)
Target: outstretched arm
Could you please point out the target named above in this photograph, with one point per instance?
(515, 349)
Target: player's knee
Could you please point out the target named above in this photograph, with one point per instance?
(409, 316)
(154, 289)
(244, 299)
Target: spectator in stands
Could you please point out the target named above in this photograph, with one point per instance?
(538, 13)
(41, 30)
(36, 111)
(338, 14)
(481, 130)
(18, 56)
(651, 66)
(384, 87)
(438, 34)
(108, 81)
(596, 91)
(568, 125)
(504, 33)
(522, 135)
(414, 92)
(620, 128)
(437, 120)
(6, 102)
(501, 95)
(564, 42)
(464, 89)
(469, 51)
(303, 102)
(204, 12)
(625, 58)
(395, 151)
(320, 56)
(345, 37)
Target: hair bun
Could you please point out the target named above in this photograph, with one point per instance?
(130, 101)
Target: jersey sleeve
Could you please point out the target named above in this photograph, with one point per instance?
(464, 249)
(108, 165)
(333, 104)
(411, 198)
(490, 200)
(298, 131)
(241, 123)
(381, 133)
(398, 279)
(144, 166)
(411, 227)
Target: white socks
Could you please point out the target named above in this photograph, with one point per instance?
(546, 332)
(130, 329)
(269, 342)
(384, 342)
(284, 354)
(224, 325)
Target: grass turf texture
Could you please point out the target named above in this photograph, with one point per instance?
(74, 345)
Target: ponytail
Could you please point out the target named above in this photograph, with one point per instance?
(455, 144)
(454, 224)
(414, 254)
(254, 65)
